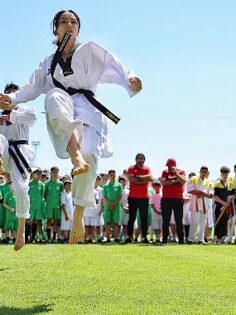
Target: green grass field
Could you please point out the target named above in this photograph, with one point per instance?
(116, 279)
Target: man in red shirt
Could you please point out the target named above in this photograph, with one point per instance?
(139, 177)
(173, 180)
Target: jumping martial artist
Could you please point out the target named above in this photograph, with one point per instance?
(18, 157)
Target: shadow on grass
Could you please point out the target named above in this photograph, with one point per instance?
(4, 269)
(4, 310)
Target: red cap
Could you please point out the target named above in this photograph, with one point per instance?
(171, 162)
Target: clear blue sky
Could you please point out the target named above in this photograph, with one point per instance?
(184, 51)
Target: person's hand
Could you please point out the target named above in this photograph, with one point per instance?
(126, 210)
(13, 210)
(173, 170)
(111, 205)
(66, 217)
(4, 118)
(230, 198)
(136, 84)
(5, 102)
(225, 206)
(199, 195)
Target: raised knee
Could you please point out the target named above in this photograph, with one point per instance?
(55, 93)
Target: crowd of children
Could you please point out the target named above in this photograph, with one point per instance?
(209, 209)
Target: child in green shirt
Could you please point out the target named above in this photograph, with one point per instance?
(52, 194)
(11, 221)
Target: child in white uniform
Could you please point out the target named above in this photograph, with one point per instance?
(67, 210)
(200, 189)
(18, 157)
(124, 216)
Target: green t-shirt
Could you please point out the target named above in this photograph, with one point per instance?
(36, 193)
(10, 199)
(112, 191)
(52, 194)
(4, 189)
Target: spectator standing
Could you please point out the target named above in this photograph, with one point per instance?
(173, 180)
(156, 210)
(36, 193)
(200, 189)
(67, 210)
(124, 217)
(112, 193)
(139, 176)
(52, 194)
(223, 192)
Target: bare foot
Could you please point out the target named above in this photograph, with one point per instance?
(81, 169)
(20, 241)
(77, 232)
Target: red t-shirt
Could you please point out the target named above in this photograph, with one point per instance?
(138, 190)
(175, 190)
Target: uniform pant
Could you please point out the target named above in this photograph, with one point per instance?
(134, 205)
(221, 228)
(61, 123)
(19, 184)
(167, 205)
(197, 226)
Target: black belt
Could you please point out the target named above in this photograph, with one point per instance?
(18, 157)
(71, 91)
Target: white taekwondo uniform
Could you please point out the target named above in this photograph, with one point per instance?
(21, 119)
(90, 64)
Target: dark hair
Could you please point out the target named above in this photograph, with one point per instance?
(67, 181)
(224, 169)
(54, 168)
(156, 183)
(138, 155)
(205, 168)
(121, 178)
(103, 174)
(55, 22)
(111, 171)
(11, 86)
(191, 174)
